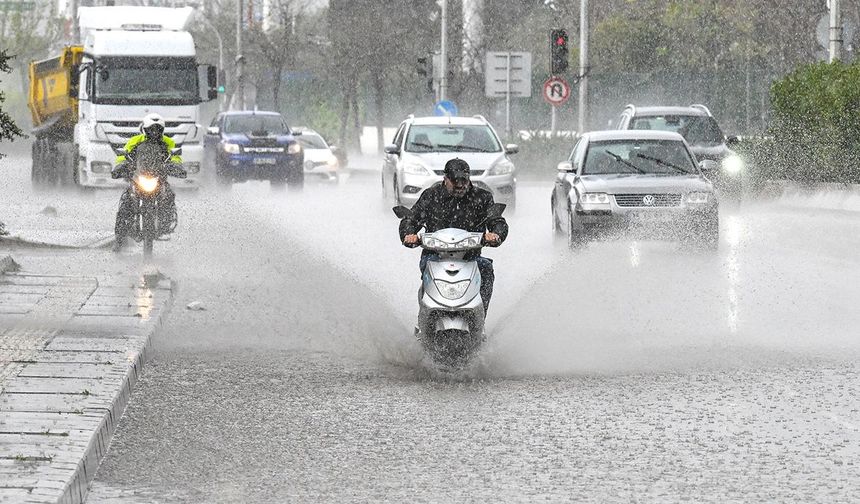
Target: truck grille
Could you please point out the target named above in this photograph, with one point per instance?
(648, 200)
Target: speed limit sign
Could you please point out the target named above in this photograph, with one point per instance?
(556, 91)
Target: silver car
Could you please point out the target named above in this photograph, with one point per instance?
(641, 182)
(422, 145)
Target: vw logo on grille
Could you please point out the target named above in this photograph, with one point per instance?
(648, 200)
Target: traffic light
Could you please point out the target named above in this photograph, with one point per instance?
(558, 51)
(222, 80)
(423, 66)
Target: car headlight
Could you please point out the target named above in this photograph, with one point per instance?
(231, 148)
(146, 183)
(100, 167)
(595, 199)
(697, 197)
(503, 167)
(415, 169)
(294, 148)
(453, 290)
(332, 161)
(733, 164)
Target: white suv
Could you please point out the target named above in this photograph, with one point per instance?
(422, 145)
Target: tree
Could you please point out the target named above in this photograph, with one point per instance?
(8, 129)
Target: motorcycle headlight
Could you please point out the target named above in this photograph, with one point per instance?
(503, 167)
(146, 183)
(415, 169)
(733, 164)
(294, 148)
(231, 148)
(697, 197)
(453, 290)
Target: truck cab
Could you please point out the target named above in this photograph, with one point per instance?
(137, 61)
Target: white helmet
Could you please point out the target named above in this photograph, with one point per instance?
(152, 120)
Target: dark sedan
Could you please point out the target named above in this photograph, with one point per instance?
(254, 145)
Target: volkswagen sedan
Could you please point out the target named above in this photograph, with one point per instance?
(646, 183)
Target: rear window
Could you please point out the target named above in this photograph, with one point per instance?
(694, 128)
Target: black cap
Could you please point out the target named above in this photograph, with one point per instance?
(457, 169)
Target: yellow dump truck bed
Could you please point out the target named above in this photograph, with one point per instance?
(52, 102)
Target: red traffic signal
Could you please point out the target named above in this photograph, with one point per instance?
(558, 52)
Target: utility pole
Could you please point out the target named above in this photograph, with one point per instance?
(443, 65)
(835, 31)
(76, 27)
(240, 59)
(583, 64)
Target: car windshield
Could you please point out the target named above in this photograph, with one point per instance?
(696, 129)
(652, 157)
(256, 124)
(311, 141)
(448, 138)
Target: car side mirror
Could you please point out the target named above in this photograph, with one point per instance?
(213, 130)
(565, 166)
(391, 149)
(402, 212)
(512, 148)
(733, 140)
(708, 165)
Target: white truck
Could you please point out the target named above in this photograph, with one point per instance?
(134, 61)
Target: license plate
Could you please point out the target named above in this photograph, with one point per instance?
(265, 161)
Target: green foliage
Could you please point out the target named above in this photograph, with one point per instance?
(8, 129)
(816, 128)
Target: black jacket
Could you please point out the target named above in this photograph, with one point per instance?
(438, 209)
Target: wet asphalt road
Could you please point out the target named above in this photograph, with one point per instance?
(631, 372)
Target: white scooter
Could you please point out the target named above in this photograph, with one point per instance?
(451, 310)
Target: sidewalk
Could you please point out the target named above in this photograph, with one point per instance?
(71, 350)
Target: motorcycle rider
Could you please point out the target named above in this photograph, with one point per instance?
(456, 203)
(152, 131)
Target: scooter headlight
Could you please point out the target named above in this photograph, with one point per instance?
(146, 183)
(453, 290)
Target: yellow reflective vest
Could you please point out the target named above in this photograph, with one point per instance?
(139, 139)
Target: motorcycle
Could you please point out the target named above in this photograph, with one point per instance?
(146, 169)
(451, 311)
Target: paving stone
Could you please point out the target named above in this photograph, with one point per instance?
(11, 288)
(79, 386)
(64, 370)
(45, 402)
(93, 344)
(81, 357)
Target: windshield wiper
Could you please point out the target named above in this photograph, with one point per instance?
(421, 144)
(663, 163)
(624, 162)
(461, 148)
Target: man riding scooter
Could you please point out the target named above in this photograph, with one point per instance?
(152, 132)
(456, 203)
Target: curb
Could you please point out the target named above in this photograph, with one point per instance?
(22, 242)
(76, 490)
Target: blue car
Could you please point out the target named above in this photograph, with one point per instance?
(254, 145)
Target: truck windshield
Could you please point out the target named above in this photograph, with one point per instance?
(146, 81)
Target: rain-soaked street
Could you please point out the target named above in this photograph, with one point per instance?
(628, 372)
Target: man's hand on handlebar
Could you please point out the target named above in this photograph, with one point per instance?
(411, 240)
(492, 239)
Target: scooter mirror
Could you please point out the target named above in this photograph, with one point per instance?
(402, 212)
(496, 210)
